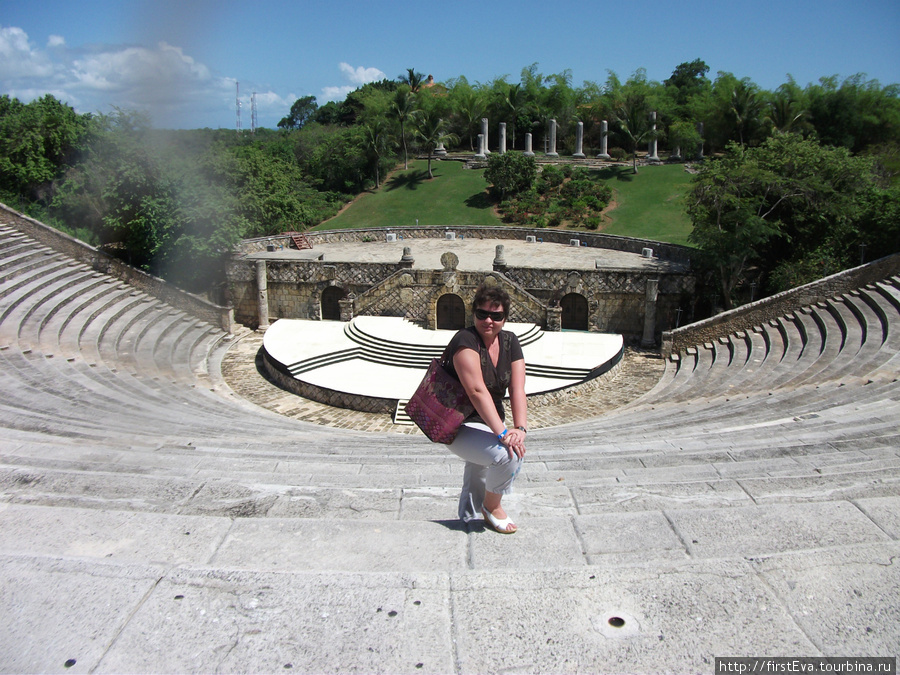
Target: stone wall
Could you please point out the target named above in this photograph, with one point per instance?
(760, 312)
(103, 262)
(616, 298)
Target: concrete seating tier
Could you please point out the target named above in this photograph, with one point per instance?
(748, 504)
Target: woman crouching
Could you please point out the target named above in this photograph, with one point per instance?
(488, 361)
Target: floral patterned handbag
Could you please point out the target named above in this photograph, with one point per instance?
(440, 404)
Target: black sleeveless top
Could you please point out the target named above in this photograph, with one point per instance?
(496, 378)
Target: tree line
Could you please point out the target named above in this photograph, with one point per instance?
(175, 202)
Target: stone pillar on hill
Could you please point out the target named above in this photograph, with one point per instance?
(579, 141)
(604, 139)
(528, 151)
(651, 154)
(552, 152)
(502, 137)
(484, 131)
(700, 148)
(480, 154)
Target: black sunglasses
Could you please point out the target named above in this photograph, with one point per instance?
(482, 314)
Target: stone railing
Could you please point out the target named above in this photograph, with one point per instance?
(673, 252)
(103, 262)
(760, 312)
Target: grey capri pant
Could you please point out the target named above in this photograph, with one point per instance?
(488, 467)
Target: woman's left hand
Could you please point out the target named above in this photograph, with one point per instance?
(515, 442)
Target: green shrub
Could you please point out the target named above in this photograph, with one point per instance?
(551, 176)
(510, 173)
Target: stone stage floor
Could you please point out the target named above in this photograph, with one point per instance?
(559, 357)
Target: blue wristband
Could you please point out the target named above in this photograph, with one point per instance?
(500, 436)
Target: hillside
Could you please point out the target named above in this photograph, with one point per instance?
(648, 205)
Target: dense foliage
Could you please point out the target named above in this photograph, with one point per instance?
(792, 209)
(174, 202)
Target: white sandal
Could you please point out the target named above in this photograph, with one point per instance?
(499, 526)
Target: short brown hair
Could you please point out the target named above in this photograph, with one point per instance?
(493, 295)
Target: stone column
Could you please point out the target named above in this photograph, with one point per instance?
(406, 260)
(480, 154)
(676, 154)
(484, 130)
(440, 150)
(499, 259)
(700, 149)
(528, 151)
(552, 152)
(502, 137)
(579, 141)
(652, 291)
(604, 133)
(263, 295)
(651, 154)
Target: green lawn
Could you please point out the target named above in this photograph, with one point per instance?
(649, 205)
(456, 196)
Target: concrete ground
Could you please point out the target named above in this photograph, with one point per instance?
(164, 509)
(475, 254)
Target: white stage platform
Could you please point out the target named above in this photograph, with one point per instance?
(386, 357)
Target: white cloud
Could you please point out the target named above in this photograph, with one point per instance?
(360, 76)
(143, 74)
(356, 76)
(336, 93)
(162, 80)
(18, 58)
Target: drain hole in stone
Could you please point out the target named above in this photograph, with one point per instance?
(69, 663)
(616, 621)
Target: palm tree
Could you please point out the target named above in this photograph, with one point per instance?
(469, 111)
(431, 129)
(413, 79)
(786, 112)
(403, 108)
(512, 104)
(746, 108)
(377, 145)
(632, 119)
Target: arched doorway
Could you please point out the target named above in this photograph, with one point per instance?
(331, 306)
(574, 312)
(451, 312)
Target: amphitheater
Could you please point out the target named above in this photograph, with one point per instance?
(156, 519)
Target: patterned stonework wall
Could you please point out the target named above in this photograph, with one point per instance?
(616, 298)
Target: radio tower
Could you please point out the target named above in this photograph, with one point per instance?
(237, 105)
(253, 113)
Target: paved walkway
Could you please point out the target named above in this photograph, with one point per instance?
(476, 254)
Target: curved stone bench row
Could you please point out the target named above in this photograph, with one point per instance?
(123, 456)
(844, 337)
(111, 366)
(71, 332)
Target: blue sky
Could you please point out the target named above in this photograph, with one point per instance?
(180, 59)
